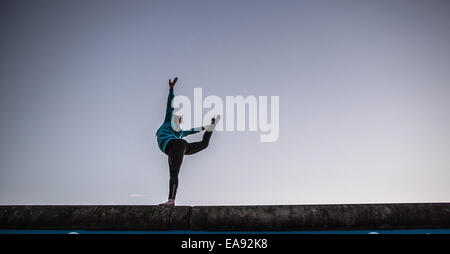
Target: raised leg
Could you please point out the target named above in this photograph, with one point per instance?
(196, 147)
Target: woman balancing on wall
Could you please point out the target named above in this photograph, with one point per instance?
(171, 142)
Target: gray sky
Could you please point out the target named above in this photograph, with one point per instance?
(363, 86)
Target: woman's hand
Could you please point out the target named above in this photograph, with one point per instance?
(172, 83)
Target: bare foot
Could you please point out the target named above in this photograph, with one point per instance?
(214, 121)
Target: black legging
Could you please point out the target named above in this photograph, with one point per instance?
(176, 149)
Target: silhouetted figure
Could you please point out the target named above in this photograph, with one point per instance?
(171, 142)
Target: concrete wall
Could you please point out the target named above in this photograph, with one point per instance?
(233, 218)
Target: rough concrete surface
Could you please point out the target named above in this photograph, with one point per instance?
(228, 218)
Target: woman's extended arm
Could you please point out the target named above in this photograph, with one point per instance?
(210, 127)
(169, 108)
(191, 131)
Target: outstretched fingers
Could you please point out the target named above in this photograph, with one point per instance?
(172, 83)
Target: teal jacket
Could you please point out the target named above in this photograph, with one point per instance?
(165, 133)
